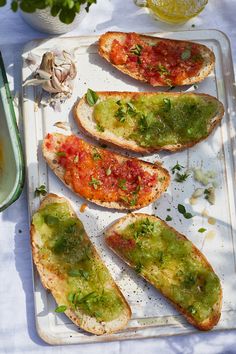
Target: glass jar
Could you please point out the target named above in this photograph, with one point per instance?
(173, 11)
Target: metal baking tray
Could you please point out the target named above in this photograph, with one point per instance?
(152, 315)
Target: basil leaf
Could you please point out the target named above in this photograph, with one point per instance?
(168, 218)
(201, 230)
(55, 10)
(61, 308)
(91, 97)
(27, 7)
(186, 54)
(67, 16)
(181, 209)
(167, 103)
(188, 215)
(3, 2)
(14, 6)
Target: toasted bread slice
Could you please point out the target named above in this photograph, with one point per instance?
(82, 285)
(103, 177)
(158, 61)
(125, 133)
(171, 263)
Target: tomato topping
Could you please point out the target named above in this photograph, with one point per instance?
(118, 54)
(115, 241)
(49, 141)
(165, 63)
(99, 174)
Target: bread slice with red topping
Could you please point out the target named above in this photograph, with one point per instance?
(171, 263)
(149, 121)
(104, 177)
(158, 61)
(70, 267)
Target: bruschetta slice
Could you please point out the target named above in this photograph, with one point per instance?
(70, 267)
(104, 177)
(158, 61)
(149, 121)
(171, 263)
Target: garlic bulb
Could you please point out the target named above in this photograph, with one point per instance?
(55, 75)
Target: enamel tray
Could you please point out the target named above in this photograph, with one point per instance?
(152, 315)
(11, 154)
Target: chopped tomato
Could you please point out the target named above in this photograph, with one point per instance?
(49, 141)
(165, 63)
(118, 55)
(99, 174)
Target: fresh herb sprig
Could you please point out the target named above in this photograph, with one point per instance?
(181, 177)
(176, 167)
(41, 190)
(91, 97)
(65, 9)
(182, 210)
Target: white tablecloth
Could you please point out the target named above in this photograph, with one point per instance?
(17, 326)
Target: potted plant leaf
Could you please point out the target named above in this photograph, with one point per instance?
(51, 16)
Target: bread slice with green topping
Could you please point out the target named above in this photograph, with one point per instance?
(149, 121)
(104, 177)
(158, 61)
(171, 263)
(70, 267)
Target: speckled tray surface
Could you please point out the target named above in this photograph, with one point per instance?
(152, 315)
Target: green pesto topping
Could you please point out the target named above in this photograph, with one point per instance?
(170, 263)
(157, 120)
(67, 252)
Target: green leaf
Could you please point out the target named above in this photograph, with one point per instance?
(95, 183)
(70, 4)
(67, 16)
(167, 103)
(91, 97)
(76, 159)
(162, 70)
(27, 7)
(188, 215)
(96, 155)
(201, 230)
(78, 273)
(168, 218)
(138, 267)
(99, 128)
(181, 177)
(137, 50)
(186, 54)
(61, 153)
(122, 184)
(108, 171)
(41, 190)
(181, 209)
(55, 10)
(61, 308)
(77, 7)
(177, 167)
(40, 4)
(3, 2)
(14, 6)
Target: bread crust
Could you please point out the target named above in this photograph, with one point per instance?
(205, 325)
(51, 281)
(107, 38)
(160, 186)
(83, 116)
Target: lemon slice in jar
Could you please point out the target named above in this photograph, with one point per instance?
(176, 11)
